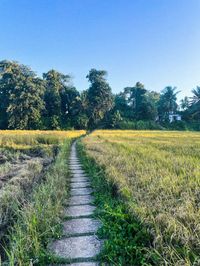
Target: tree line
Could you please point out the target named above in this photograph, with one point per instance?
(52, 102)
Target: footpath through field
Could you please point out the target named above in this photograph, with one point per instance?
(79, 244)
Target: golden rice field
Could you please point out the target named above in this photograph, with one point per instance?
(158, 175)
(27, 138)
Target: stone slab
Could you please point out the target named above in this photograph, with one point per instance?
(77, 171)
(79, 175)
(84, 264)
(78, 264)
(81, 210)
(80, 184)
(75, 167)
(77, 179)
(74, 161)
(78, 200)
(81, 191)
(80, 226)
(76, 247)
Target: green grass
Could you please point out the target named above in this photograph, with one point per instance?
(126, 240)
(38, 220)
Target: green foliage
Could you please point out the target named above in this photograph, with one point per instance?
(29, 102)
(99, 97)
(55, 83)
(167, 103)
(139, 125)
(21, 97)
(194, 107)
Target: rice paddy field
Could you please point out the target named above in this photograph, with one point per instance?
(23, 139)
(32, 163)
(157, 174)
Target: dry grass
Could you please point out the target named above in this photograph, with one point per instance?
(13, 143)
(38, 220)
(158, 174)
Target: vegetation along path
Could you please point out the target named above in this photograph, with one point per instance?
(79, 245)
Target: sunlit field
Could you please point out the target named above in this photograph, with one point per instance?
(25, 157)
(157, 173)
(28, 138)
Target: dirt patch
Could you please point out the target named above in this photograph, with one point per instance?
(22, 167)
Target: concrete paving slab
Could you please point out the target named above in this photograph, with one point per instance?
(84, 264)
(79, 179)
(77, 175)
(80, 184)
(81, 226)
(78, 200)
(81, 210)
(81, 191)
(76, 171)
(76, 247)
(75, 167)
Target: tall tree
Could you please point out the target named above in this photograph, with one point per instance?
(168, 102)
(99, 97)
(185, 103)
(26, 104)
(121, 105)
(56, 82)
(141, 105)
(195, 104)
(5, 84)
(71, 106)
(21, 92)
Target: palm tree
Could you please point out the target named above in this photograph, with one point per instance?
(185, 103)
(195, 103)
(167, 103)
(195, 99)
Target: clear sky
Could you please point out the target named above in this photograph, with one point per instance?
(156, 42)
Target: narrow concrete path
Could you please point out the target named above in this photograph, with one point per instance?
(79, 244)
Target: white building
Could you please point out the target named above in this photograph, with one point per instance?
(174, 117)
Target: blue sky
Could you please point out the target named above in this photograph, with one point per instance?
(153, 41)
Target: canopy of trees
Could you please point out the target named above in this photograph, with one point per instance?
(52, 102)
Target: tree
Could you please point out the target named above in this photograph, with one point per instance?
(142, 106)
(56, 84)
(71, 107)
(21, 94)
(185, 103)
(167, 103)
(5, 84)
(195, 99)
(121, 105)
(99, 97)
(195, 104)
(26, 104)
(81, 119)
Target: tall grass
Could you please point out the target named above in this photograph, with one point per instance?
(21, 139)
(126, 240)
(35, 212)
(13, 143)
(38, 220)
(157, 174)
